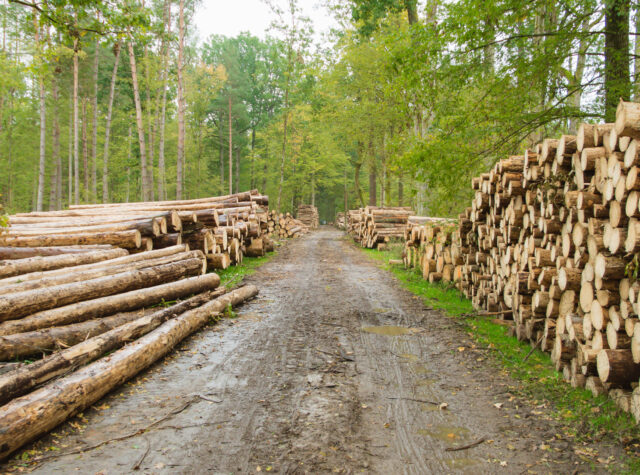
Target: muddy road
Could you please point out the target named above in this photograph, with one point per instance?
(333, 368)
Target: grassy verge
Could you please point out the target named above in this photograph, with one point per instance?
(584, 418)
(233, 275)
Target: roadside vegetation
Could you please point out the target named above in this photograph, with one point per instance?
(235, 274)
(584, 418)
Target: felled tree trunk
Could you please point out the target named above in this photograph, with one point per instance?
(26, 418)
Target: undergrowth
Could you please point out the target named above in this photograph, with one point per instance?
(584, 418)
(233, 275)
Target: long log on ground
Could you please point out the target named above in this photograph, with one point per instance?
(50, 220)
(28, 417)
(104, 306)
(242, 196)
(20, 304)
(127, 239)
(147, 227)
(23, 278)
(92, 339)
(93, 272)
(11, 253)
(15, 267)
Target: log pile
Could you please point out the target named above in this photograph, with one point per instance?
(552, 242)
(222, 227)
(341, 222)
(71, 310)
(283, 225)
(308, 215)
(374, 227)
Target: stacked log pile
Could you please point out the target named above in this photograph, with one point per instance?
(283, 225)
(341, 222)
(552, 242)
(72, 309)
(222, 227)
(374, 227)
(308, 215)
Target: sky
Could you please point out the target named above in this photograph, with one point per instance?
(231, 17)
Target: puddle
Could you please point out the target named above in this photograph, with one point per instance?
(390, 330)
(461, 463)
(446, 433)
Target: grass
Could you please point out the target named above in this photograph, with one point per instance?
(233, 275)
(584, 418)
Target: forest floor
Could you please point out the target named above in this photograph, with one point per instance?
(333, 368)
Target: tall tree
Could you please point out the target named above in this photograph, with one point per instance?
(139, 123)
(181, 103)
(43, 125)
(617, 84)
(107, 132)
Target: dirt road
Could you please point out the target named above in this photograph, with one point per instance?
(334, 368)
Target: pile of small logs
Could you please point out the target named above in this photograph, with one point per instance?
(374, 227)
(430, 245)
(283, 225)
(341, 222)
(308, 215)
(222, 227)
(91, 320)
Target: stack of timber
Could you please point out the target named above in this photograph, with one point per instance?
(552, 242)
(431, 245)
(283, 225)
(91, 321)
(308, 215)
(341, 222)
(374, 227)
(222, 227)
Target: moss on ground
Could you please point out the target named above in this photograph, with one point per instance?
(584, 418)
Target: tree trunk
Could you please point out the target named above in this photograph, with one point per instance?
(20, 304)
(636, 60)
(19, 267)
(181, 126)
(162, 181)
(230, 148)
(85, 151)
(76, 134)
(54, 403)
(94, 131)
(400, 189)
(221, 150)
(114, 331)
(43, 125)
(140, 126)
(373, 185)
(412, 11)
(616, 56)
(237, 183)
(55, 194)
(107, 131)
(70, 179)
(125, 239)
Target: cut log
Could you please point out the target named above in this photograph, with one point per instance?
(26, 418)
(219, 260)
(617, 367)
(113, 332)
(34, 264)
(82, 311)
(19, 304)
(124, 239)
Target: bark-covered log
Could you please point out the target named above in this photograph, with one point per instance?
(113, 332)
(125, 239)
(26, 418)
(9, 268)
(110, 305)
(10, 253)
(19, 304)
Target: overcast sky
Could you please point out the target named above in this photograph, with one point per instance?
(230, 17)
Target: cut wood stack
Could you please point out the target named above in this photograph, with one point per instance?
(308, 215)
(71, 310)
(552, 242)
(283, 225)
(221, 227)
(374, 227)
(341, 222)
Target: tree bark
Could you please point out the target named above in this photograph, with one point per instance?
(94, 131)
(55, 195)
(140, 126)
(43, 125)
(181, 125)
(26, 418)
(107, 131)
(230, 148)
(114, 332)
(126, 239)
(162, 181)
(17, 267)
(76, 135)
(616, 56)
(85, 151)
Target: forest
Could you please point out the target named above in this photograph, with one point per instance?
(404, 102)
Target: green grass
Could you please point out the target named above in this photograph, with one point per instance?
(233, 275)
(584, 418)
